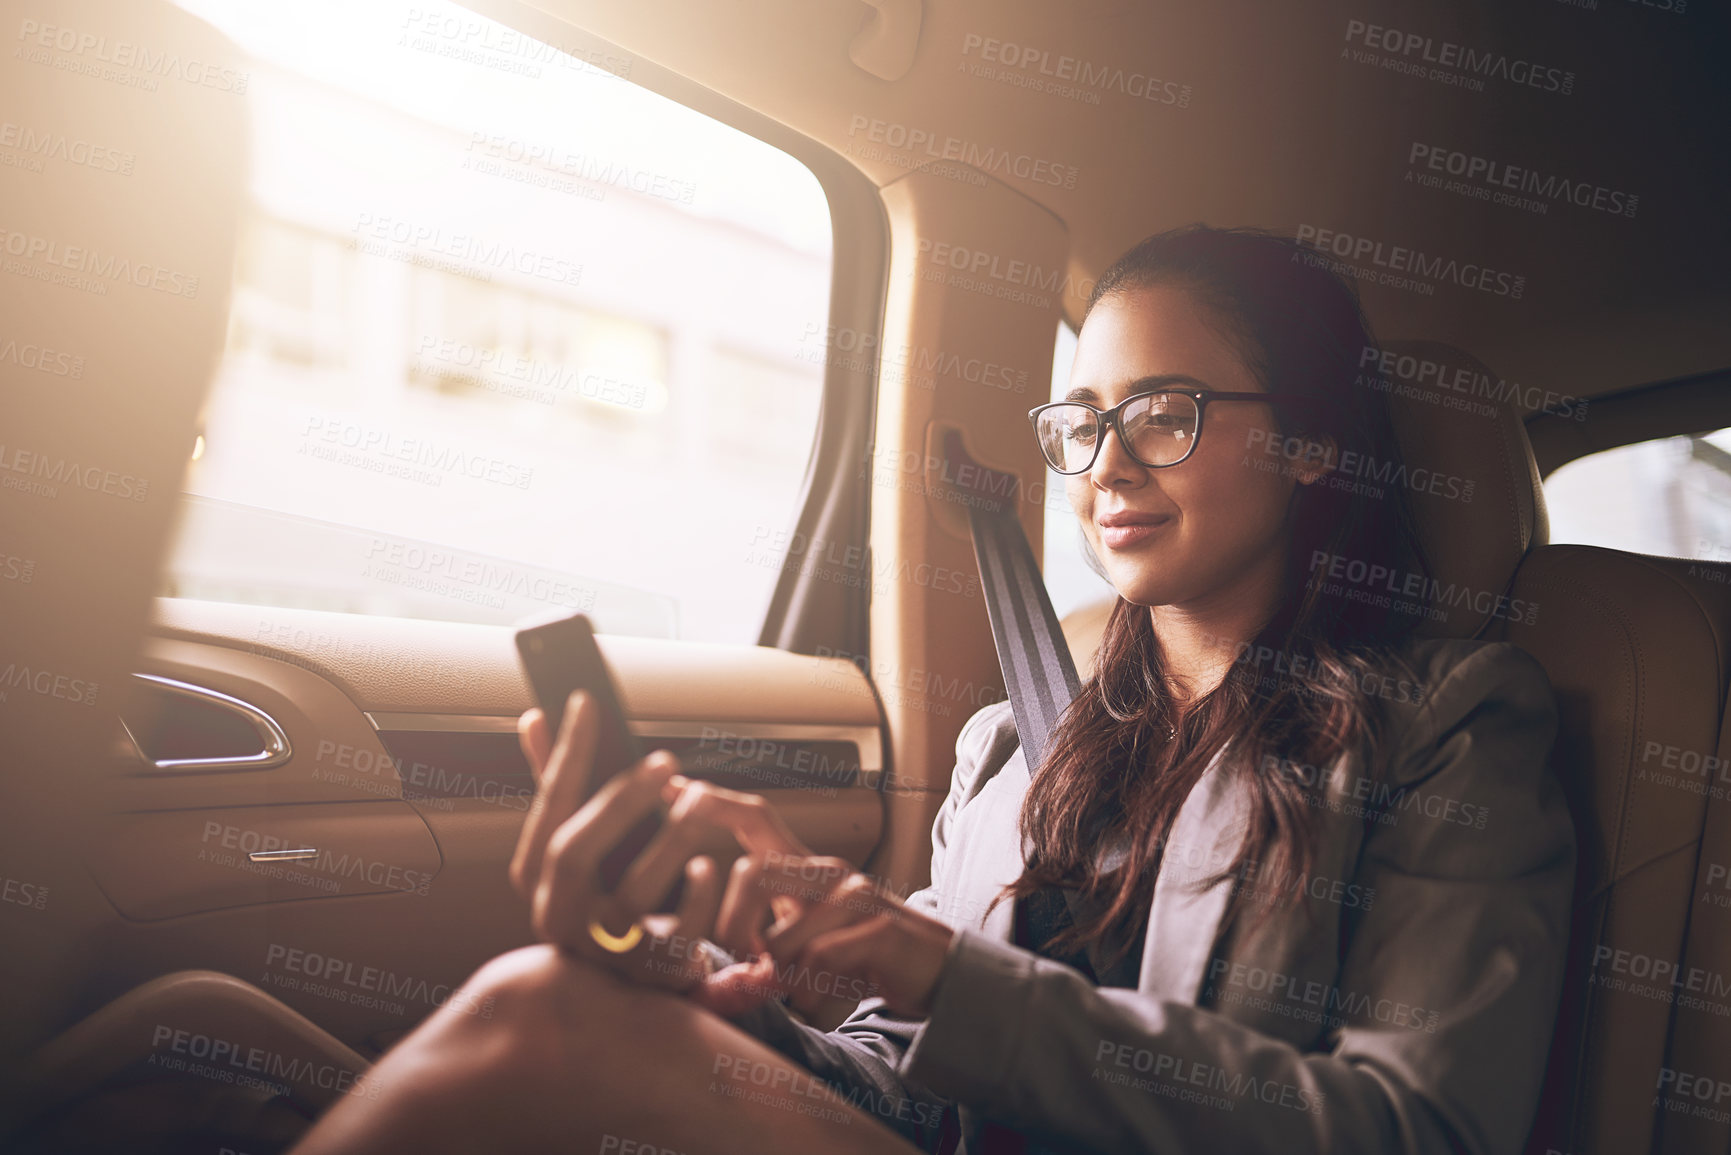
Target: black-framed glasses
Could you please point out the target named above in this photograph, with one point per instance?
(1157, 429)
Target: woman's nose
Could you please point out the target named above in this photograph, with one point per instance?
(1113, 463)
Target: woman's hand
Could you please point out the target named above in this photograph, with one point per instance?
(847, 940)
(559, 853)
(837, 937)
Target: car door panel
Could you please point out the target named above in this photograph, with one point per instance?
(404, 778)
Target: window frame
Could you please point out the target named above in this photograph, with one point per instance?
(1679, 407)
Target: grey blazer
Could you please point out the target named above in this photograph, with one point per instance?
(1404, 1003)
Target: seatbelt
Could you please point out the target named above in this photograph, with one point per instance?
(1039, 674)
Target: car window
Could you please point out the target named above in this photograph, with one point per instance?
(1671, 497)
(509, 333)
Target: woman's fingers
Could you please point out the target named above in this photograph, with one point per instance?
(533, 738)
(852, 899)
(701, 901)
(668, 955)
(757, 825)
(738, 988)
(700, 812)
(567, 895)
(762, 885)
(560, 789)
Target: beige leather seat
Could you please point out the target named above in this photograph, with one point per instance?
(1638, 650)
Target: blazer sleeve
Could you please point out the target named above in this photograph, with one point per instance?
(861, 1056)
(1470, 922)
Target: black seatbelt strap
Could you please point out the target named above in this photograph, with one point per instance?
(1039, 674)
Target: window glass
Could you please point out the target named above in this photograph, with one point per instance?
(509, 333)
(1670, 497)
(1069, 580)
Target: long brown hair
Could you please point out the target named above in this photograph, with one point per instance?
(1295, 696)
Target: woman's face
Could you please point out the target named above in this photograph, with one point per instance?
(1214, 529)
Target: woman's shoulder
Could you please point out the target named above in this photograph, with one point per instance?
(1469, 666)
(986, 742)
(1457, 679)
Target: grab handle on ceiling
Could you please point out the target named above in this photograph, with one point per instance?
(885, 45)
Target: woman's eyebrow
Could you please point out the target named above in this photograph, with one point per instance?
(1141, 385)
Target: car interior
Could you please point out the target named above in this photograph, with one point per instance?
(321, 371)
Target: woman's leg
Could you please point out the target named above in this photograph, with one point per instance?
(573, 1059)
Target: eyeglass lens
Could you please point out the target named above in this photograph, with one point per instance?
(1158, 429)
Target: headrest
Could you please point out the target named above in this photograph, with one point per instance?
(1471, 478)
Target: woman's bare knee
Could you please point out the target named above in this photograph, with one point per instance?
(532, 1010)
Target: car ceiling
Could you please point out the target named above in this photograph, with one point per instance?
(1284, 129)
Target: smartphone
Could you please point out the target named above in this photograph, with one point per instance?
(559, 656)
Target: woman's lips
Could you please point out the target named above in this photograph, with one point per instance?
(1124, 536)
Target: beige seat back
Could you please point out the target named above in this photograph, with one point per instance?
(1638, 650)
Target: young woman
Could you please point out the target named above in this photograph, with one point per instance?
(1288, 877)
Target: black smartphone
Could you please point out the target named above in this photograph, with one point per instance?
(559, 655)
